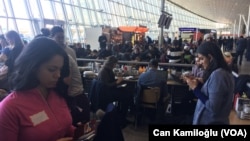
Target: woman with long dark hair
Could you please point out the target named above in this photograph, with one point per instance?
(36, 109)
(14, 49)
(215, 95)
(113, 93)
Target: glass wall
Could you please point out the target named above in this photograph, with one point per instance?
(29, 16)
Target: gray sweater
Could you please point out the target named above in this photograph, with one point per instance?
(219, 89)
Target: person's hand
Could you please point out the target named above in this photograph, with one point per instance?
(192, 83)
(119, 80)
(200, 80)
(184, 77)
(65, 139)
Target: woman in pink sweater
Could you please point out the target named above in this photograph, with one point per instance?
(37, 110)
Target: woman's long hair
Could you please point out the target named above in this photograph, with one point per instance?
(210, 48)
(15, 52)
(110, 62)
(38, 52)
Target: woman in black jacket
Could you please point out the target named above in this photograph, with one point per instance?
(107, 77)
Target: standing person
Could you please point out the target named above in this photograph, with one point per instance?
(207, 37)
(102, 41)
(45, 33)
(197, 70)
(248, 49)
(57, 34)
(229, 60)
(180, 42)
(15, 48)
(35, 110)
(215, 96)
(241, 46)
(196, 73)
(81, 110)
(5, 49)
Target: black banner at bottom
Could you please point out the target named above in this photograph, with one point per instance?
(163, 132)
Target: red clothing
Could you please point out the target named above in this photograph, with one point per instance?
(27, 116)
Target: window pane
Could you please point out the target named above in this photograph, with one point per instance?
(101, 4)
(67, 34)
(70, 15)
(10, 25)
(107, 6)
(111, 6)
(78, 15)
(81, 33)
(10, 14)
(90, 4)
(74, 33)
(35, 11)
(66, 1)
(47, 9)
(75, 2)
(96, 4)
(24, 29)
(2, 9)
(83, 3)
(3, 25)
(121, 8)
(86, 16)
(19, 9)
(93, 18)
(59, 11)
(99, 18)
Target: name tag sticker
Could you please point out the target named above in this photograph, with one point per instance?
(39, 118)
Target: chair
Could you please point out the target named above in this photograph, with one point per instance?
(150, 97)
(149, 100)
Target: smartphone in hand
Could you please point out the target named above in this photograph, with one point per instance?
(86, 130)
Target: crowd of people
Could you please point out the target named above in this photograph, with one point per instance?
(43, 88)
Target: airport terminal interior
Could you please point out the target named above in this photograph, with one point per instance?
(139, 34)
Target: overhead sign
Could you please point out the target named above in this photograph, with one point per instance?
(213, 30)
(186, 29)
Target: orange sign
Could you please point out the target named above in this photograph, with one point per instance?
(133, 29)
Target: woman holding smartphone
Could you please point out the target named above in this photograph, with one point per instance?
(215, 95)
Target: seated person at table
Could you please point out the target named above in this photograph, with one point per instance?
(197, 71)
(107, 76)
(153, 77)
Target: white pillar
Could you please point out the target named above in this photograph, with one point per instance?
(248, 22)
(239, 27)
(234, 29)
(160, 42)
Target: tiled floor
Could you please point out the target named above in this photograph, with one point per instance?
(245, 67)
(141, 133)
